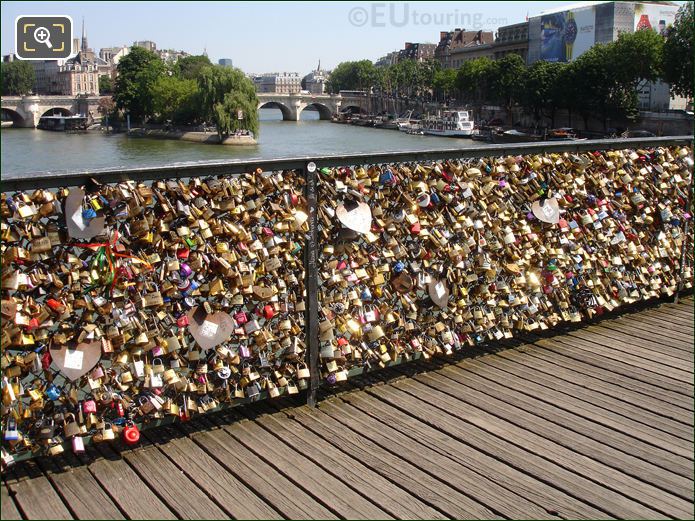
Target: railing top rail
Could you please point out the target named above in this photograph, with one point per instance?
(53, 179)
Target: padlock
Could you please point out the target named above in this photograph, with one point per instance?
(131, 433)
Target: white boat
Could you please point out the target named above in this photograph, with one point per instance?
(405, 123)
(452, 123)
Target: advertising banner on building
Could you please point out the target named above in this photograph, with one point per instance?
(567, 34)
(657, 17)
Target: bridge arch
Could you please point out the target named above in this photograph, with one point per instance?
(286, 111)
(57, 111)
(353, 109)
(323, 110)
(12, 115)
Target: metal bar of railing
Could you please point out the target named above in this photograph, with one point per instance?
(311, 285)
(32, 181)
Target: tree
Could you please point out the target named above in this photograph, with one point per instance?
(189, 67)
(506, 80)
(444, 83)
(355, 75)
(473, 79)
(636, 57)
(105, 84)
(678, 52)
(541, 94)
(137, 74)
(17, 78)
(176, 100)
(224, 93)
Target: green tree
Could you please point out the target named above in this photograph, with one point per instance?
(137, 74)
(176, 100)
(473, 80)
(541, 92)
(444, 83)
(224, 93)
(189, 67)
(354, 75)
(678, 52)
(506, 81)
(17, 78)
(105, 84)
(636, 57)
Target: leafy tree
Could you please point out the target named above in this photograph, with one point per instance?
(636, 57)
(17, 78)
(137, 74)
(224, 92)
(105, 84)
(541, 93)
(189, 67)
(506, 81)
(355, 75)
(474, 79)
(678, 52)
(444, 83)
(176, 100)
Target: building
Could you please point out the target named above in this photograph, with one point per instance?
(113, 55)
(225, 62)
(459, 45)
(388, 60)
(315, 82)
(171, 56)
(564, 34)
(278, 82)
(512, 39)
(146, 44)
(417, 51)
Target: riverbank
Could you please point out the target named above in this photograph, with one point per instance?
(195, 137)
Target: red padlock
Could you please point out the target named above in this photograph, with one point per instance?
(131, 433)
(268, 311)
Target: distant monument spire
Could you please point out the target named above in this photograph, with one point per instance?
(84, 38)
(319, 67)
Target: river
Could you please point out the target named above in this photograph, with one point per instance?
(26, 151)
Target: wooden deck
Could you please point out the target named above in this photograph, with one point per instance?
(592, 423)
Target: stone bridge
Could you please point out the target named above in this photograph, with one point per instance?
(292, 105)
(25, 111)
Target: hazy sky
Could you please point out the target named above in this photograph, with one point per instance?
(274, 36)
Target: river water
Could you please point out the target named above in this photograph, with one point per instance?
(25, 150)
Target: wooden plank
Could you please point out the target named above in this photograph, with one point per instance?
(544, 447)
(655, 340)
(134, 497)
(538, 491)
(178, 491)
(485, 491)
(673, 367)
(34, 494)
(215, 480)
(587, 410)
(587, 427)
(672, 324)
(668, 412)
(672, 314)
(575, 484)
(273, 487)
(626, 333)
(79, 489)
(390, 497)
(429, 489)
(343, 500)
(577, 341)
(637, 387)
(8, 510)
(615, 366)
(564, 436)
(630, 417)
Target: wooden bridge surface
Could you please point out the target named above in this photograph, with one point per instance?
(593, 423)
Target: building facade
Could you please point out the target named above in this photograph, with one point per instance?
(225, 62)
(458, 46)
(512, 39)
(564, 34)
(113, 55)
(146, 44)
(417, 51)
(315, 82)
(278, 82)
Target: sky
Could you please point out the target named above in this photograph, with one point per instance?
(274, 36)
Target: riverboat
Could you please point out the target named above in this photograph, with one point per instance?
(452, 123)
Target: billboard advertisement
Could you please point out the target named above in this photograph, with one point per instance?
(567, 34)
(656, 17)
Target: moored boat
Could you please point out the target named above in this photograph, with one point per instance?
(452, 123)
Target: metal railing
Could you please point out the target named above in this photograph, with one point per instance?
(309, 166)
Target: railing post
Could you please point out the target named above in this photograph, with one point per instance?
(311, 284)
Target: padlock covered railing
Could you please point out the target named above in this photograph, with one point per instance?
(137, 297)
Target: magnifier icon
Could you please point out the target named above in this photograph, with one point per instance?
(42, 35)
